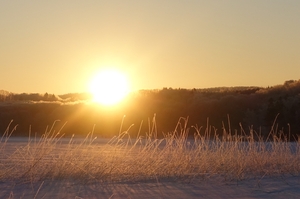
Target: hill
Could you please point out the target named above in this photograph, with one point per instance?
(237, 108)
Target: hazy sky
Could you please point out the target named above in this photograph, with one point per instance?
(55, 46)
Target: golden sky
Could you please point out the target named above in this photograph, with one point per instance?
(56, 46)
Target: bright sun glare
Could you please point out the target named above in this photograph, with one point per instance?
(109, 87)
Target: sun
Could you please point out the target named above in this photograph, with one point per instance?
(109, 87)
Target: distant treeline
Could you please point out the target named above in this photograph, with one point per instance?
(237, 109)
(6, 96)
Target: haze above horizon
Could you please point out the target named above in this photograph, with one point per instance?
(58, 46)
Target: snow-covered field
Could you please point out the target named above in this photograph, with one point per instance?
(269, 187)
(173, 167)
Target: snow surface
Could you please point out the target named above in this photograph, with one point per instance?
(211, 187)
(269, 187)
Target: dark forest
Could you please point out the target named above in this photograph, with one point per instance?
(237, 109)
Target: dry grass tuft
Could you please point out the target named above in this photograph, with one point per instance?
(122, 159)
